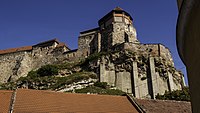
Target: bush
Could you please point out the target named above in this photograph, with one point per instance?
(36, 81)
(179, 95)
(67, 65)
(93, 76)
(92, 57)
(101, 84)
(32, 74)
(48, 70)
(8, 86)
(98, 90)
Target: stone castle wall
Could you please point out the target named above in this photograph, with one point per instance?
(15, 64)
(89, 42)
(18, 64)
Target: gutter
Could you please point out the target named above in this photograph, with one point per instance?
(135, 104)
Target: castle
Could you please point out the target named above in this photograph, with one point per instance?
(141, 69)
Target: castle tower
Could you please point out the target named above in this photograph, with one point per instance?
(116, 27)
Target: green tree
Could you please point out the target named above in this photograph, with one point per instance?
(48, 70)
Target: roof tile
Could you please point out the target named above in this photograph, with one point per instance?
(164, 106)
(12, 50)
(5, 100)
(47, 101)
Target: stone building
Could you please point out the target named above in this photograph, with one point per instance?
(115, 28)
(143, 70)
(146, 73)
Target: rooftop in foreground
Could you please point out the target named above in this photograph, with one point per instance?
(48, 101)
(40, 101)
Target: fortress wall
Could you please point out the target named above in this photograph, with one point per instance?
(118, 34)
(88, 42)
(71, 55)
(18, 64)
(142, 88)
(14, 65)
(84, 43)
(124, 81)
(8, 56)
(46, 55)
(163, 84)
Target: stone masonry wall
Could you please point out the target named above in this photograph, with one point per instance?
(18, 64)
(88, 42)
(14, 65)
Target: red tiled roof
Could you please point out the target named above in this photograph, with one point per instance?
(5, 101)
(28, 48)
(164, 106)
(61, 44)
(46, 101)
(12, 50)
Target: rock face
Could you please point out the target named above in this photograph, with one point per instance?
(143, 75)
(141, 69)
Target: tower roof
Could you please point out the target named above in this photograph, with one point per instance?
(117, 10)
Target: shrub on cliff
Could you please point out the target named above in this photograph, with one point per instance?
(48, 70)
(32, 74)
(101, 84)
(179, 95)
(92, 57)
(35, 81)
(101, 91)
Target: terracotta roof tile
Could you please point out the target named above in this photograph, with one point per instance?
(164, 106)
(47, 101)
(28, 48)
(12, 50)
(61, 44)
(5, 99)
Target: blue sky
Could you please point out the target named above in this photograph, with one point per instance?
(27, 22)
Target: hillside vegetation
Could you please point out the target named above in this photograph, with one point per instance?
(51, 77)
(179, 95)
